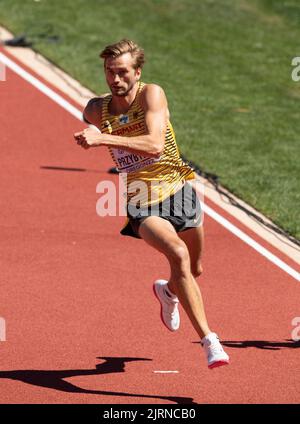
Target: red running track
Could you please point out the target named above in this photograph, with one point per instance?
(82, 323)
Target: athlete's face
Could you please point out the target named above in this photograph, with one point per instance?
(120, 74)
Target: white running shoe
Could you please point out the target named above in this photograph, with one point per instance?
(216, 356)
(169, 305)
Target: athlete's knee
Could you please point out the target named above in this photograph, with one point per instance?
(178, 254)
(196, 269)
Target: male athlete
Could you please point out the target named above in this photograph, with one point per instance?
(162, 206)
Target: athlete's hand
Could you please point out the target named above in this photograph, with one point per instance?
(87, 138)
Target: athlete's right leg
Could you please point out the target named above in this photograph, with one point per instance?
(161, 235)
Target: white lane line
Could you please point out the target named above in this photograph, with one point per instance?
(40, 86)
(75, 112)
(166, 372)
(256, 246)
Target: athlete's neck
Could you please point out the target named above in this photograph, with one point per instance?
(121, 104)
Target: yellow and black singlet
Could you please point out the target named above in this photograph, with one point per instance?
(161, 176)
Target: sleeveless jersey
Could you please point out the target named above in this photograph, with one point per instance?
(148, 180)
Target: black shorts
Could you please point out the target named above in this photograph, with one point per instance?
(182, 210)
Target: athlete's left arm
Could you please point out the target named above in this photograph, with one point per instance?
(154, 103)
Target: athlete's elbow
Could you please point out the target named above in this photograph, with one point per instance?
(156, 154)
(157, 150)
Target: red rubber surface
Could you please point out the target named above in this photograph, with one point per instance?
(73, 290)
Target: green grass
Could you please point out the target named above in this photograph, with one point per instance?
(226, 69)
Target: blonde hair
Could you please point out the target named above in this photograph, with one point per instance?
(122, 47)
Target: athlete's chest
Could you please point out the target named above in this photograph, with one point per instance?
(128, 124)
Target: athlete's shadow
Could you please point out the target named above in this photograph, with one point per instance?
(262, 344)
(56, 379)
(69, 169)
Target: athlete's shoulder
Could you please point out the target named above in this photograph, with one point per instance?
(152, 89)
(95, 102)
(92, 110)
(152, 94)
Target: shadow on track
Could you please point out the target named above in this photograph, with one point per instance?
(61, 168)
(261, 344)
(55, 379)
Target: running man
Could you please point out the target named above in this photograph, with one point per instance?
(134, 124)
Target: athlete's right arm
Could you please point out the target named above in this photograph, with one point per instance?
(92, 112)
